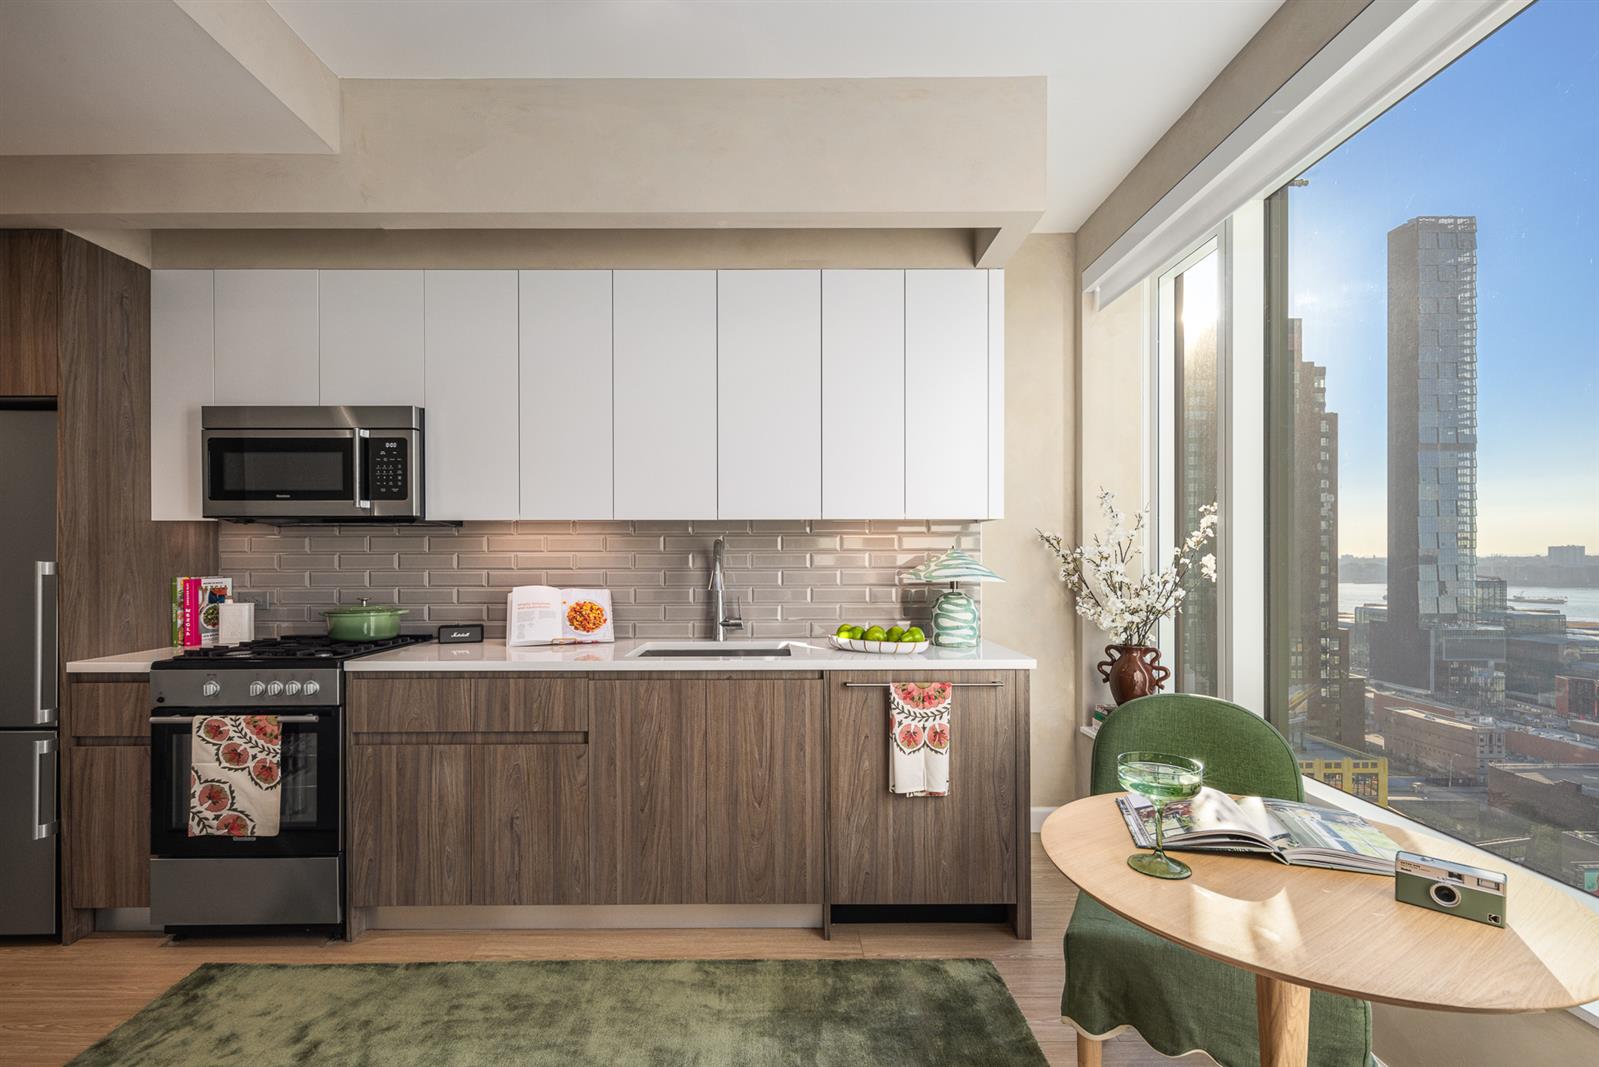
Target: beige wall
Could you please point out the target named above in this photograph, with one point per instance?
(1298, 30)
(1112, 369)
(1029, 612)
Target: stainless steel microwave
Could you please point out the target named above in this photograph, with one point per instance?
(317, 464)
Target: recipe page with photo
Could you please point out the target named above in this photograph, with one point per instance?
(545, 615)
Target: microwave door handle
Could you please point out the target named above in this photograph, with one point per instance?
(362, 450)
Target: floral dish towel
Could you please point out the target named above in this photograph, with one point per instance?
(237, 767)
(918, 719)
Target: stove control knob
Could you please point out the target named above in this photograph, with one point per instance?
(274, 688)
(257, 688)
(211, 688)
(311, 689)
(291, 688)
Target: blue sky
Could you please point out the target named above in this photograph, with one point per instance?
(1508, 133)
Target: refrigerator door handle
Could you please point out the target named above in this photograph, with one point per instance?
(43, 754)
(46, 694)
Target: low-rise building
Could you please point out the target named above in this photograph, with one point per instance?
(1564, 794)
(1457, 749)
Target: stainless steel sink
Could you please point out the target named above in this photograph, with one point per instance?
(713, 652)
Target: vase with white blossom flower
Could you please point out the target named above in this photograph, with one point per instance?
(1128, 605)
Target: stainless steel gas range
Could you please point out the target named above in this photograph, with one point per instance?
(295, 877)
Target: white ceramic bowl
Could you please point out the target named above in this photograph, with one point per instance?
(881, 648)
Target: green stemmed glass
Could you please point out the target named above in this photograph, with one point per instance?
(1161, 779)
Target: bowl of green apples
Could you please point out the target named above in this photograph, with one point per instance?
(896, 640)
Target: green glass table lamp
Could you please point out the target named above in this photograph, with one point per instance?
(955, 621)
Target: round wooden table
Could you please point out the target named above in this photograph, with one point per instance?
(1304, 928)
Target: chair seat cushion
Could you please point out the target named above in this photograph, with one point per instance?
(1118, 974)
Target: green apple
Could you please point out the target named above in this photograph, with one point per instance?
(915, 634)
(844, 631)
(896, 633)
(875, 633)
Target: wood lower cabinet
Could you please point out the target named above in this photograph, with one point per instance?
(764, 768)
(964, 848)
(530, 826)
(409, 824)
(468, 791)
(667, 788)
(649, 834)
(105, 796)
(107, 807)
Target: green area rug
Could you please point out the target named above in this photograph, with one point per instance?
(669, 1013)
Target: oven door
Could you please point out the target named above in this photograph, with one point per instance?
(284, 474)
(310, 793)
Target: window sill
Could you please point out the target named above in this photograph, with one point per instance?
(1320, 793)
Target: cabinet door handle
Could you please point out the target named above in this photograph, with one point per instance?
(183, 720)
(43, 751)
(957, 685)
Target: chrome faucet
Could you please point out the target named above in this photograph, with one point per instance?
(721, 621)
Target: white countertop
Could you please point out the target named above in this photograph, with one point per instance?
(126, 663)
(806, 655)
(492, 655)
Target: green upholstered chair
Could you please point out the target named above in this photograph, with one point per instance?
(1120, 976)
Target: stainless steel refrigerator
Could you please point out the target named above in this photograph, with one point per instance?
(29, 747)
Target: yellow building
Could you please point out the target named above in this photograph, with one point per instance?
(1343, 768)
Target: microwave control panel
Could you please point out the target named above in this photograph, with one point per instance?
(389, 463)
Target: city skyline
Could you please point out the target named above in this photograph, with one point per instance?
(1464, 144)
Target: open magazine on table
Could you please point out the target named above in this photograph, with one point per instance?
(1299, 834)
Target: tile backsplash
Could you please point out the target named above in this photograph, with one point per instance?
(792, 579)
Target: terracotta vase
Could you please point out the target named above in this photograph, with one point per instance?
(1133, 671)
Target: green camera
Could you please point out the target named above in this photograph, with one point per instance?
(1449, 887)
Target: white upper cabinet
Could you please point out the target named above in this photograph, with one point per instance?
(566, 394)
(470, 353)
(769, 394)
(631, 394)
(182, 381)
(267, 344)
(371, 330)
(863, 394)
(946, 394)
(665, 399)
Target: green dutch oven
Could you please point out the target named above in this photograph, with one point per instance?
(367, 622)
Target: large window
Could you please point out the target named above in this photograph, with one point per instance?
(1189, 370)
(1434, 507)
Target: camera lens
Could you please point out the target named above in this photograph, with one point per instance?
(1445, 894)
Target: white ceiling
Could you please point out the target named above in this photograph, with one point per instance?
(1120, 71)
(92, 77)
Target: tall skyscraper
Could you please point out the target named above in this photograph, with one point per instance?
(1318, 653)
(1432, 442)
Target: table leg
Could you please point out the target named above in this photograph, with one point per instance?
(1282, 1012)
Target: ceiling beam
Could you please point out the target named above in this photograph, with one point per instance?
(770, 153)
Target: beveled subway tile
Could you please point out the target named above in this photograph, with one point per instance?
(660, 569)
(448, 578)
(633, 542)
(429, 596)
(517, 542)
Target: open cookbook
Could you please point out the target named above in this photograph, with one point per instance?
(1294, 833)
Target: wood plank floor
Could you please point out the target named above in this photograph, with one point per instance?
(56, 1001)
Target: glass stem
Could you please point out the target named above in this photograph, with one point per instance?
(1160, 822)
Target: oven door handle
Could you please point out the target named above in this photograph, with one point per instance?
(181, 720)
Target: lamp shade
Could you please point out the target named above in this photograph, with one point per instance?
(952, 566)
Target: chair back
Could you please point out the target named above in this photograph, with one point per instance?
(1241, 751)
